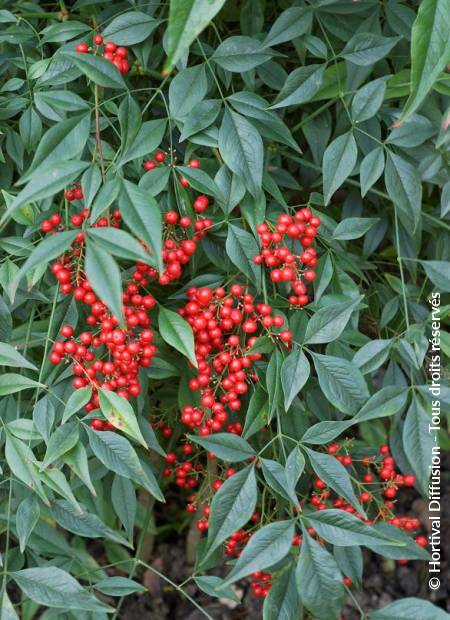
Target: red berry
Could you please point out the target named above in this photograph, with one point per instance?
(98, 39)
(82, 48)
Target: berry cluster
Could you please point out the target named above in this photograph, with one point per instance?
(111, 51)
(373, 493)
(225, 326)
(105, 355)
(287, 250)
(74, 193)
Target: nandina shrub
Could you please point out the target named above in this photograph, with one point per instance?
(225, 255)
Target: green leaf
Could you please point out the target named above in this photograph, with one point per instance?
(77, 400)
(350, 562)
(404, 187)
(430, 50)
(324, 432)
(368, 99)
(242, 149)
(239, 53)
(241, 247)
(210, 584)
(353, 228)
(56, 480)
(142, 215)
(65, 140)
(267, 122)
(78, 462)
(186, 91)
(187, 19)
(22, 463)
(7, 609)
(330, 470)
(301, 86)
(54, 587)
(202, 116)
(409, 608)
(117, 454)
(177, 332)
(100, 71)
(118, 586)
(123, 498)
(120, 243)
(120, 413)
(295, 464)
(439, 273)
(344, 529)
(386, 402)
(366, 48)
(62, 440)
(406, 549)
(148, 138)
(107, 194)
(226, 446)
(341, 382)
(12, 382)
(339, 160)
(257, 413)
(418, 443)
(231, 508)
(295, 372)
(273, 382)
(329, 322)
(265, 548)
(90, 183)
(62, 32)
(9, 356)
(130, 28)
(319, 580)
(104, 276)
(48, 182)
(130, 120)
(291, 23)
(27, 515)
(282, 602)
(46, 251)
(275, 476)
(199, 180)
(372, 355)
(371, 169)
(83, 523)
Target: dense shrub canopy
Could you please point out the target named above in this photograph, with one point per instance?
(225, 256)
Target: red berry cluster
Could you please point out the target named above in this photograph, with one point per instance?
(261, 583)
(151, 164)
(378, 496)
(105, 355)
(74, 193)
(201, 203)
(178, 245)
(287, 250)
(111, 51)
(225, 327)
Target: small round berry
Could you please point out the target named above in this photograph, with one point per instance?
(149, 165)
(82, 48)
(98, 39)
(110, 47)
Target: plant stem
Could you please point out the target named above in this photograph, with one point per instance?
(98, 142)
